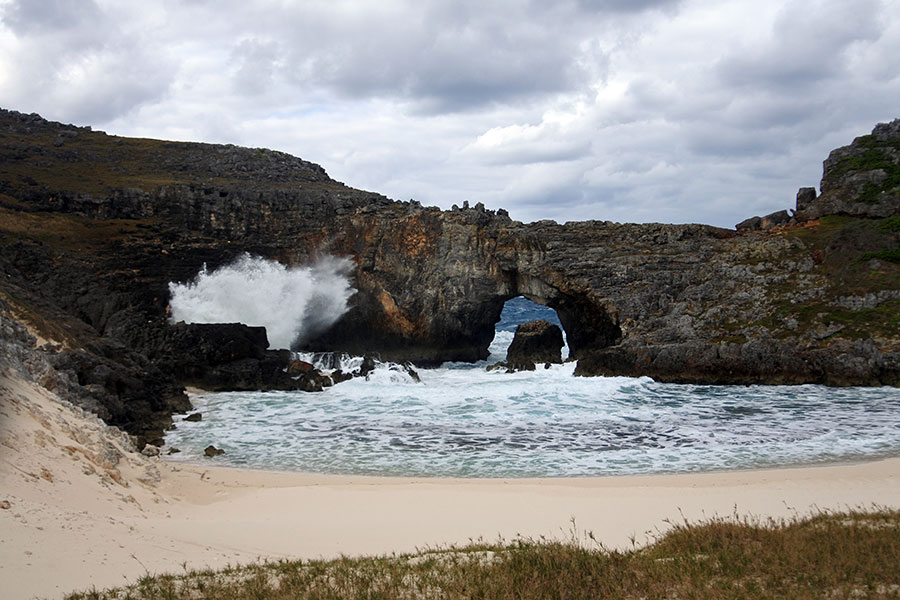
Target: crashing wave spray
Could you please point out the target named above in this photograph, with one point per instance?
(293, 304)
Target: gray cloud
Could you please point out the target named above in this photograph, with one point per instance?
(808, 44)
(27, 16)
(255, 62)
(78, 63)
(647, 110)
(446, 56)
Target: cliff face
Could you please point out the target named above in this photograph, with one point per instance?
(94, 227)
(861, 179)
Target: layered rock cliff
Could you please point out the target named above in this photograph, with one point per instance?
(94, 228)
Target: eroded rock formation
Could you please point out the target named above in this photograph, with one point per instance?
(95, 227)
(535, 342)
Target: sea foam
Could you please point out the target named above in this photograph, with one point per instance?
(292, 303)
(462, 420)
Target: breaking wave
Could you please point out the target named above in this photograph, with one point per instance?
(292, 303)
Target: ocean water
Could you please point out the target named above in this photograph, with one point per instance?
(464, 421)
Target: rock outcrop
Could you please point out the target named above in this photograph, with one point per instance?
(94, 228)
(862, 179)
(535, 342)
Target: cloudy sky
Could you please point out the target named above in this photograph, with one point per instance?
(644, 110)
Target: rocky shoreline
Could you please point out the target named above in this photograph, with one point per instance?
(94, 227)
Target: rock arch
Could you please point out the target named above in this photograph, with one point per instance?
(441, 299)
(587, 323)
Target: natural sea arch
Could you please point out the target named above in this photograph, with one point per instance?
(520, 310)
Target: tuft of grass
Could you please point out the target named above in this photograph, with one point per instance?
(890, 255)
(889, 225)
(853, 554)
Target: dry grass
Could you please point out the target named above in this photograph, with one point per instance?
(846, 555)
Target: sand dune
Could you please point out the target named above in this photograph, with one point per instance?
(85, 511)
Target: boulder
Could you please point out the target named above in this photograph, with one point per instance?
(751, 224)
(213, 451)
(296, 367)
(150, 450)
(535, 342)
(805, 197)
(774, 219)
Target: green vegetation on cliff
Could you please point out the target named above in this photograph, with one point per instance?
(878, 155)
(847, 287)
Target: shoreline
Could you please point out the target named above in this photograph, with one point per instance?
(847, 462)
(83, 511)
(269, 477)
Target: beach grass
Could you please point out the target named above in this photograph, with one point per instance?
(852, 554)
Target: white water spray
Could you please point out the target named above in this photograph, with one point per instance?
(293, 304)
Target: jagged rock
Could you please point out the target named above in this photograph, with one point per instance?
(413, 374)
(296, 367)
(756, 361)
(150, 450)
(509, 367)
(338, 376)
(805, 197)
(193, 417)
(775, 219)
(150, 476)
(211, 451)
(769, 221)
(535, 342)
(367, 366)
(862, 179)
(209, 343)
(751, 224)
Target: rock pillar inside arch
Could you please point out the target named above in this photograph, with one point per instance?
(535, 342)
(588, 324)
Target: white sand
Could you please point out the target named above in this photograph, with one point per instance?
(77, 520)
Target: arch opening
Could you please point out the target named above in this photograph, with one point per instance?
(515, 311)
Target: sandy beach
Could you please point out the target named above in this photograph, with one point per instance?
(80, 510)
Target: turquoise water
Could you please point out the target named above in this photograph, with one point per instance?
(464, 421)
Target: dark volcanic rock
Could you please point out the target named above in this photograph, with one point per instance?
(535, 342)
(296, 367)
(212, 451)
(209, 344)
(758, 361)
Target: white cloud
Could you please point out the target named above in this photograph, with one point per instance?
(694, 110)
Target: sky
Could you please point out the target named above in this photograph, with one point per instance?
(674, 111)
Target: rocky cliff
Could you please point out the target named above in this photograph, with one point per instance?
(94, 227)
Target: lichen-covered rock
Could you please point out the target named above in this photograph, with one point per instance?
(535, 342)
(862, 179)
(769, 221)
